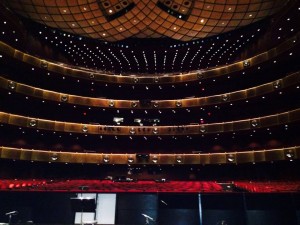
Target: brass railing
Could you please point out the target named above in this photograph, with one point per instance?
(289, 154)
(248, 93)
(191, 129)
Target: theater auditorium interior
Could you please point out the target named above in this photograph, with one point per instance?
(160, 112)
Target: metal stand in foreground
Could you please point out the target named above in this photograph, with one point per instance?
(10, 214)
(147, 218)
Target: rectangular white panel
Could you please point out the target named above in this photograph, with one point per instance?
(87, 218)
(106, 208)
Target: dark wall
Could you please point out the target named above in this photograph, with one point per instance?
(268, 209)
(44, 208)
(179, 209)
(130, 208)
(250, 209)
(221, 209)
(166, 209)
(175, 209)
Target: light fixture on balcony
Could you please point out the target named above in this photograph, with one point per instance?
(155, 104)
(135, 80)
(202, 129)
(84, 128)
(254, 123)
(54, 157)
(178, 103)
(289, 154)
(130, 159)
(178, 159)
(92, 76)
(277, 84)
(44, 65)
(106, 159)
(64, 98)
(132, 130)
(230, 158)
(225, 97)
(33, 123)
(111, 103)
(200, 74)
(12, 85)
(246, 63)
(154, 159)
(134, 104)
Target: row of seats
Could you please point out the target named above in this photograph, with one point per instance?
(146, 186)
(110, 186)
(267, 187)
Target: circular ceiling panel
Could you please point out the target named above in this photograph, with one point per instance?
(114, 20)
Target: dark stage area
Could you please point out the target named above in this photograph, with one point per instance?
(177, 209)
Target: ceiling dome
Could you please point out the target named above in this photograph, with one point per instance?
(114, 20)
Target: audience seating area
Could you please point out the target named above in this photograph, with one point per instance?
(268, 187)
(147, 186)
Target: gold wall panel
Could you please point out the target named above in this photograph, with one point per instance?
(10, 153)
(297, 152)
(38, 156)
(78, 158)
(18, 120)
(45, 125)
(285, 118)
(259, 156)
(273, 155)
(205, 159)
(241, 125)
(4, 117)
(218, 158)
(238, 95)
(245, 157)
(25, 90)
(291, 116)
(166, 159)
(59, 126)
(28, 155)
(192, 159)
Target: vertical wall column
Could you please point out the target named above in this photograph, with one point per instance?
(200, 209)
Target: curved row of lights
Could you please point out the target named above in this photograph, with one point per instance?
(149, 78)
(239, 125)
(256, 156)
(245, 94)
